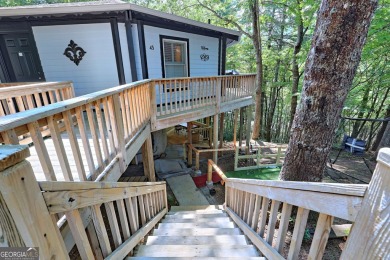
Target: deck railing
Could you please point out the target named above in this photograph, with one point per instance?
(259, 154)
(255, 205)
(18, 97)
(30, 210)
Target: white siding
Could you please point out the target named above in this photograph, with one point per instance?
(197, 66)
(125, 51)
(95, 72)
(137, 51)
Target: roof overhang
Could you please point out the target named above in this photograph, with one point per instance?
(104, 7)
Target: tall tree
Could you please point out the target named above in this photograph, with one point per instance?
(339, 36)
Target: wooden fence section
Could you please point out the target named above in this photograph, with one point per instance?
(17, 97)
(112, 126)
(254, 206)
(258, 155)
(30, 209)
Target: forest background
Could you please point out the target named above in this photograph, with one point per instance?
(286, 29)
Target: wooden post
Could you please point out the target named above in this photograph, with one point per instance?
(208, 120)
(147, 159)
(221, 122)
(240, 132)
(26, 217)
(235, 127)
(197, 160)
(215, 139)
(370, 233)
(248, 128)
(189, 138)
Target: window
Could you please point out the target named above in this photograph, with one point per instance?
(175, 58)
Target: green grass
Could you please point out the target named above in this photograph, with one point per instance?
(259, 174)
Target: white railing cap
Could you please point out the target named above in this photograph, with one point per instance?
(384, 156)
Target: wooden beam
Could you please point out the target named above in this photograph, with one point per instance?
(117, 50)
(215, 135)
(148, 161)
(142, 49)
(130, 46)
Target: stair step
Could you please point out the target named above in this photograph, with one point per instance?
(194, 215)
(198, 258)
(197, 240)
(200, 211)
(197, 251)
(196, 220)
(196, 225)
(196, 232)
(202, 207)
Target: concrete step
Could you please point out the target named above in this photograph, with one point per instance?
(201, 207)
(196, 232)
(197, 240)
(197, 251)
(197, 258)
(196, 220)
(196, 225)
(194, 215)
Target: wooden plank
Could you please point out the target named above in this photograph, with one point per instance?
(343, 206)
(272, 221)
(142, 210)
(283, 227)
(12, 154)
(19, 188)
(42, 152)
(92, 236)
(78, 231)
(122, 251)
(123, 219)
(74, 145)
(148, 161)
(101, 231)
(113, 222)
(131, 215)
(320, 238)
(298, 233)
(68, 200)
(256, 212)
(85, 140)
(99, 119)
(263, 216)
(259, 242)
(60, 148)
(369, 237)
(71, 186)
(94, 135)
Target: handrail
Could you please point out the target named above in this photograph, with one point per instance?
(139, 207)
(255, 204)
(279, 155)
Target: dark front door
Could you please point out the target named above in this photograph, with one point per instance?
(22, 57)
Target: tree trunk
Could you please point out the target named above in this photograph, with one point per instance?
(259, 67)
(295, 67)
(340, 33)
(363, 107)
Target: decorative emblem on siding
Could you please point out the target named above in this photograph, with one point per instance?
(204, 48)
(151, 47)
(204, 57)
(74, 52)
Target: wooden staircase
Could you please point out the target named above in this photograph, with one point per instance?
(204, 232)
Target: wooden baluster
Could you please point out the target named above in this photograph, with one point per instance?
(42, 152)
(101, 230)
(94, 135)
(272, 221)
(124, 115)
(142, 209)
(245, 206)
(147, 207)
(60, 148)
(138, 107)
(52, 98)
(263, 216)
(123, 219)
(99, 117)
(92, 236)
(58, 95)
(180, 95)
(45, 98)
(256, 213)
(113, 222)
(38, 100)
(134, 110)
(80, 236)
(128, 114)
(251, 206)
(283, 226)
(166, 97)
(10, 137)
(161, 93)
(321, 235)
(85, 140)
(11, 106)
(20, 103)
(109, 127)
(30, 102)
(299, 231)
(132, 217)
(2, 111)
